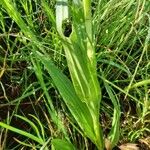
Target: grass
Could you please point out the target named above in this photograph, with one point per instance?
(77, 85)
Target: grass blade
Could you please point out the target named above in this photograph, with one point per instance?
(21, 132)
(31, 124)
(115, 129)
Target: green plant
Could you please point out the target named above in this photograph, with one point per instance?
(107, 41)
(83, 95)
(80, 55)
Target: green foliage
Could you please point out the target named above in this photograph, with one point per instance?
(81, 60)
(97, 65)
(57, 145)
(21, 132)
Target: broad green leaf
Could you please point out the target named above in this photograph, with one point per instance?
(78, 108)
(59, 144)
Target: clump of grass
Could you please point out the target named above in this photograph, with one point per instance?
(112, 43)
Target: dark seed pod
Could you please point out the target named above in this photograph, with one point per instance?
(67, 27)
